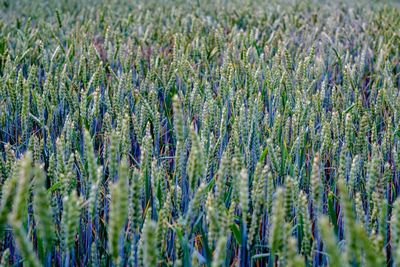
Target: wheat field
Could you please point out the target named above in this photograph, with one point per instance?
(199, 133)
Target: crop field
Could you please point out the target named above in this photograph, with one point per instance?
(199, 133)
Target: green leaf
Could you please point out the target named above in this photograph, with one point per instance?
(236, 232)
(332, 213)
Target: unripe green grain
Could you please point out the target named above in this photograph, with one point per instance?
(316, 187)
(195, 166)
(41, 204)
(335, 258)
(149, 244)
(7, 197)
(220, 253)
(24, 245)
(5, 258)
(22, 195)
(244, 194)
(90, 158)
(70, 219)
(118, 210)
(277, 232)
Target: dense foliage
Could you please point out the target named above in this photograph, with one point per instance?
(224, 133)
